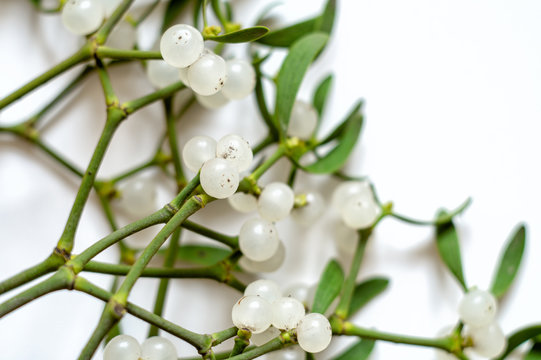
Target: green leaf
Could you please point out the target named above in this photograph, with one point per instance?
(449, 249)
(297, 61)
(509, 262)
(241, 36)
(329, 287)
(361, 350)
(339, 130)
(519, 337)
(173, 10)
(535, 352)
(325, 21)
(347, 135)
(320, 97)
(366, 291)
(202, 255)
(197, 10)
(285, 37)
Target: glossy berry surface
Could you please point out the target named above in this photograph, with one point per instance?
(275, 201)
(267, 289)
(314, 333)
(122, 347)
(287, 312)
(219, 178)
(208, 74)
(138, 196)
(477, 308)
(82, 17)
(158, 348)
(303, 120)
(198, 150)
(252, 313)
(181, 45)
(236, 150)
(240, 79)
(265, 266)
(258, 239)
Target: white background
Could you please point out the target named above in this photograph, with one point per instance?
(452, 92)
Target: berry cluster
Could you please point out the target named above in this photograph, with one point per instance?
(220, 162)
(214, 80)
(264, 311)
(125, 347)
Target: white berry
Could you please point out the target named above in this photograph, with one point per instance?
(290, 353)
(347, 190)
(198, 150)
(138, 196)
(258, 239)
(299, 292)
(265, 336)
(122, 347)
(208, 74)
(252, 313)
(303, 120)
(359, 213)
(161, 74)
(243, 202)
(212, 101)
(311, 211)
(488, 341)
(236, 150)
(181, 45)
(183, 75)
(275, 201)
(267, 289)
(158, 348)
(287, 312)
(477, 308)
(219, 178)
(240, 79)
(82, 17)
(314, 333)
(265, 266)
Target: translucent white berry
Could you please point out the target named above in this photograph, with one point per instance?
(477, 308)
(158, 348)
(161, 74)
(123, 36)
(287, 312)
(240, 79)
(252, 313)
(345, 239)
(314, 333)
(82, 17)
(110, 6)
(122, 347)
(265, 266)
(219, 178)
(267, 289)
(181, 45)
(198, 150)
(265, 336)
(309, 213)
(359, 213)
(258, 239)
(303, 120)
(183, 75)
(275, 201)
(299, 292)
(213, 101)
(347, 190)
(208, 74)
(138, 196)
(235, 149)
(290, 353)
(488, 341)
(243, 202)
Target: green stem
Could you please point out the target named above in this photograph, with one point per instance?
(134, 105)
(168, 263)
(184, 193)
(114, 117)
(241, 342)
(263, 144)
(48, 265)
(110, 96)
(193, 204)
(147, 12)
(83, 54)
(268, 163)
(59, 158)
(107, 27)
(342, 310)
(219, 14)
(439, 220)
(197, 340)
(59, 280)
(231, 241)
(109, 318)
(224, 335)
(121, 54)
(79, 261)
(272, 345)
(134, 171)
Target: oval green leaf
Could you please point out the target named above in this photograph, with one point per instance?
(519, 337)
(510, 262)
(285, 37)
(202, 255)
(295, 65)
(347, 135)
(535, 352)
(320, 97)
(366, 291)
(329, 286)
(241, 36)
(449, 249)
(361, 350)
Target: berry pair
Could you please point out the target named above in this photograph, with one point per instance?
(125, 347)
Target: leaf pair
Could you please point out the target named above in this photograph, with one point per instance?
(449, 250)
